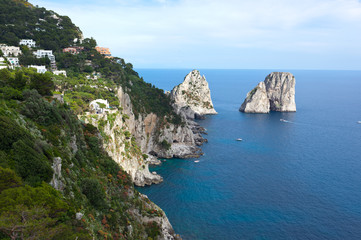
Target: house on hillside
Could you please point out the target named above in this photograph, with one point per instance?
(14, 61)
(99, 105)
(58, 72)
(41, 53)
(10, 50)
(104, 51)
(3, 63)
(28, 42)
(39, 69)
(73, 50)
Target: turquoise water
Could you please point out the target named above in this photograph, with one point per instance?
(296, 180)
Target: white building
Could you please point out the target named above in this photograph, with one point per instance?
(44, 53)
(14, 61)
(58, 72)
(3, 63)
(28, 42)
(96, 105)
(39, 69)
(10, 50)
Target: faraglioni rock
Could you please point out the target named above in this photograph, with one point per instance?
(276, 93)
(193, 97)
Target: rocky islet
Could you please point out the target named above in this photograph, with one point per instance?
(275, 93)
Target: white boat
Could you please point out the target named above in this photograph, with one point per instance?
(282, 120)
(196, 161)
(239, 139)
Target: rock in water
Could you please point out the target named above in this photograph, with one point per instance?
(256, 100)
(193, 97)
(276, 93)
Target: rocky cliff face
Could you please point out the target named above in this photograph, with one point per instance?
(193, 97)
(161, 138)
(276, 93)
(132, 142)
(118, 142)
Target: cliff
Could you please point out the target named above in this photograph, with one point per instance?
(132, 141)
(193, 97)
(58, 182)
(276, 93)
(159, 137)
(76, 178)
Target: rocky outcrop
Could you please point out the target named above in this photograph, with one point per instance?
(256, 100)
(133, 141)
(56, 181)
(193, 97)
(159, 138)
(276, 93)
(156, 215)
(120, 145)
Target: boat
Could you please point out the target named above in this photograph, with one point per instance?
(196, 161)
(282, 120)
(239, 139)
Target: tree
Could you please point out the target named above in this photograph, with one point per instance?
(42, 83)
(32, 213)
(89, 43)
(93, 191)
(23, 222)
(19, 81)
(8, 179)
(31, 165)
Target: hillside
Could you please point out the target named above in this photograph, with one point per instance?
(66, 170)
(43, 144)
(21, 20)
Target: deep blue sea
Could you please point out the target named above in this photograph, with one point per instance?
(295, 180)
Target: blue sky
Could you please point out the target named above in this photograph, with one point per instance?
(238, 34)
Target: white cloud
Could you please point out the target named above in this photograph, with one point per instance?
(158, 33)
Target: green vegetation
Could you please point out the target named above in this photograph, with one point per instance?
(166, 145)
(21, 20)
(34, 129)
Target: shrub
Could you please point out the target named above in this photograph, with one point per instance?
(92, 189)
(39, 110)
(31, 166)
(10, 132)
(165, 145)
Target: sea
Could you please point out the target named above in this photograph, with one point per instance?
(299, 179)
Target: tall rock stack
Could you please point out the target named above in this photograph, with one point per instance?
(193, 97)
(276, 93)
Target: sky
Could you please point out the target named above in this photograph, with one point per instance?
(222, 34)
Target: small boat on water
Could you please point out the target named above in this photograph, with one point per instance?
(196, 161)
(283, 120)
(239, 139)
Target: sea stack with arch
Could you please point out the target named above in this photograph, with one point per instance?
(275, 93)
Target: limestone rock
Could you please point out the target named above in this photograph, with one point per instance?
(145, 128)
(281, 91)
(256, 100)
(276, 93)
(119, 125)
(56, 181)
(166, 229)
(193, 97)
